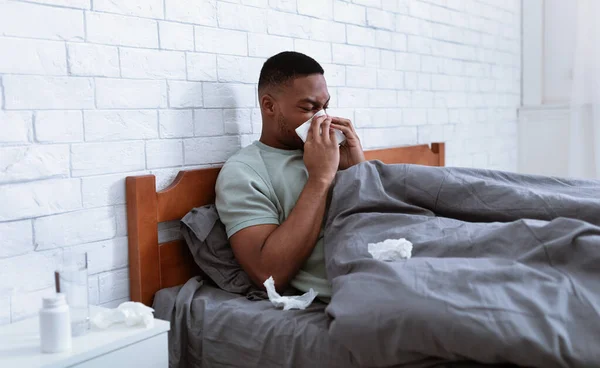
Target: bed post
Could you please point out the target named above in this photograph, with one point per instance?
(142, 228)
(440, 150)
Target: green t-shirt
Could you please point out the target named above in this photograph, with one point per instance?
(260, 185)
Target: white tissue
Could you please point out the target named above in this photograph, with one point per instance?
(391, 249)
(130, 313)
(303, 129)
(288, 302)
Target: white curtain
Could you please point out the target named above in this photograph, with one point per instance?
(584, 142)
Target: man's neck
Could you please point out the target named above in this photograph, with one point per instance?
(273, 142)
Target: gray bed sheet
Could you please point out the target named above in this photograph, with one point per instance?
(214, 328)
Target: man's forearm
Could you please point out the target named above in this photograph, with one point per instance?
(287, 248)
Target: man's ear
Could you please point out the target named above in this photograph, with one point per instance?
(267, 104)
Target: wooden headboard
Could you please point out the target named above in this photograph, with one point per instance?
(154, 266)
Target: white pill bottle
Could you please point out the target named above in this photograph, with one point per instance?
(55, 324)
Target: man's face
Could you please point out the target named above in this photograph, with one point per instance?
(298, 102)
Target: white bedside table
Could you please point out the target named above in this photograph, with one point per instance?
(117, 346)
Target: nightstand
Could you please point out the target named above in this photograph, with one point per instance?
(115, 347)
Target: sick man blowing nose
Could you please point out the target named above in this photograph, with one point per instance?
(271, 195)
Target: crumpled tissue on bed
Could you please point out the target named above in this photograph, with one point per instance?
(288, 302)
(130, 313)
(391, 249)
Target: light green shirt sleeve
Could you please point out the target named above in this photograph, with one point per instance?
(243, 198)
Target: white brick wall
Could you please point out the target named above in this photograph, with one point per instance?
(264, 45)
(195, 12)
(34, 162)
(238, 69)
(237, 121)
(24, 92)
(104, 190)
(113, 285)
(130, 93)
(207, 150)
(141, 8)
(94, 91)
(17, 238)
(347, 12)
(74, 228)
(82, 4)
(102, 158)
(35, 267)
(185, 94)
(208, 122)
(229, 95)
(176, 36)
(20, 19)
(93, 60)
(16, 126)
(176, 123)
(242, 18)
(108, 255)
(112, 29)
(38, 57)
(152, 64)
(5, 311)
(111, 125)
(323, 11)
(221, 41)
(201, 67)
(164, 153)
(348, 55)
(39, 198)
(59, 126)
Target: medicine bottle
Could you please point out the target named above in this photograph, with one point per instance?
(55, 324)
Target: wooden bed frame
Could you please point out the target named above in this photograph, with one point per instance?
(154, 266)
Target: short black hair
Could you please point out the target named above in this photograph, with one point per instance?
(285, 66)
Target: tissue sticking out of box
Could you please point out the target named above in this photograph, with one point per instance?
(391, 250)
(288, 302)
(303, 129)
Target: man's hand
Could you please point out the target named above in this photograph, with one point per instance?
(321, 153)
(351, 152)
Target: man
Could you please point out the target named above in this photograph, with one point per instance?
(271, 195)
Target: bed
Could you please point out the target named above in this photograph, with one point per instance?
(154, 266)
(483, 239)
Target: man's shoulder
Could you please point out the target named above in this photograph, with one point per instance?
(243, 167)
(247, 156)
(245, 162)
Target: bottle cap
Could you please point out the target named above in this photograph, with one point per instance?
(55, 300)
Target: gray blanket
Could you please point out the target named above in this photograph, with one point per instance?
(213, 328)
(505, 267)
